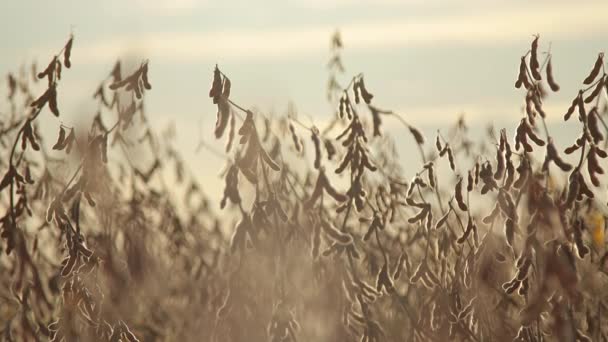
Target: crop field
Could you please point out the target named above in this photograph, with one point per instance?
(321, 233)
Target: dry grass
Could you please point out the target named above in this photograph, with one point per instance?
(321, 238)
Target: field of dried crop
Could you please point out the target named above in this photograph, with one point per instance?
(318, 236)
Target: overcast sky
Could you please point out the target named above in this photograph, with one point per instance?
(428, 59)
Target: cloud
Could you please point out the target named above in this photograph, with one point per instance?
(477, 27)
(340, 4)
(162, 7)
(494, 25)
(497, 112)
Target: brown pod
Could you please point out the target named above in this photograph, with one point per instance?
(344, 163)
(451, 158)
(356, 91)
(53, 101)
(250, 157)
(376, 120)
(510, 175)
(429, 220)
(135, 87)
(458, 195)
(410, 201)
(69, 264)
(67, 53)
(550, 79)
(596, 91)
(500, 165)
(417, 135)
(331, 190)
(593, 125)
(593, 163)
(431, 175)
(348, 109)
(572, 149)
(247, 125)
(523, 171)
(442, 220)
(507, 205)
(564, 166)
(418, 217)
(329, 148)
(511, 286)
(526, 145)
(600, 153)
(501, 141)
(116, 72)
(467, 232)
(49, 71)
(239, 237)
(522, 78)
(522, 271)
(294, 137)
(420, 182)
(470, 181)
(538, 106)
(28, 176)
(226, 86)
(584, 189)
(492, 215)
(223, 116)
(89, 199)
(581, 248)
(144, 77)
(367, 97)
(27, 131)
(438, 144)
(508, 150)
(534, 65)
(216, 85)
(553, 155)
(316, 193)
(249, 174)
(359, 202)
(271, 163)
(596, 69)
(529, 110)
(410, 189)
(366, 162)
(337, 235)
(58, 70)
(532, 135)
(573, 190)
(572, 107)
(42, 100)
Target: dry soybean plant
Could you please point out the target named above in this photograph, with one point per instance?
(318, 235)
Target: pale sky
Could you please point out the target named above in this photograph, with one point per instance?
(428, 59)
